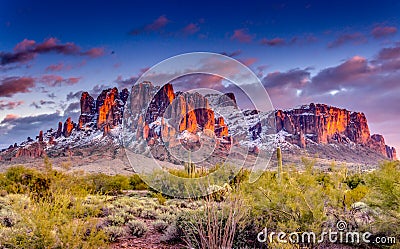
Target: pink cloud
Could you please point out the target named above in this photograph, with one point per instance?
(159, 23)
(28, 49)
(24, 45)
(12, 85)
(56, 80)
(155, 26)
(9, 117)
(95, 52)
(57, 67)
(348, 74)
(383, 31)
(273, 42)
(389, 53)
(195, 81)
(292, 79)
(354, 38)
(242, 35)
(9, 104)
(248, 61)
(191, 28)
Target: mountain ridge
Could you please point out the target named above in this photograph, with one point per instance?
(302, 127)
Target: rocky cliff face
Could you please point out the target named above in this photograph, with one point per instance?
(183, 111)
(105, 113)
(109, 109)
(88, 111)
(325, 124)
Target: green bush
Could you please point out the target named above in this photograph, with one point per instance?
(104, 184)
(137, 228)
(161, 199)
(353, 181)
(114, 232)
(136, 183)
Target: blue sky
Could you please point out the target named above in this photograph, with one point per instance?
(341, 53)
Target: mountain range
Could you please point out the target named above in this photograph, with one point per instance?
(167, 124)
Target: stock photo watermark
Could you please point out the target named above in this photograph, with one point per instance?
(342, 236)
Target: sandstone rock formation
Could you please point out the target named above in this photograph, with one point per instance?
(68, 126)
(34, 150)
(88, 111)
(184, 111)
(324, 124)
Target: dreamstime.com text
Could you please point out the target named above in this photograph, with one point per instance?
(341, 236)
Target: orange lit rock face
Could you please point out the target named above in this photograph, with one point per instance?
(378, 143)
(68, 126)
(107, 100)
(324, 124)
(184, 111)
(109, 108)
(221, 130)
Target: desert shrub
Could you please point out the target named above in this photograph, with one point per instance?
(355, 195)
(148, 213)
(23, 180)
(136, 211)
(115, 220)
(114, 232)
(105, 184)
(160, 225)
(169, 218)
(174, 186)
(171, 234)
(51, 223)
(7, 217)
(137, 183)
(161, 199)
(353, 181)
(137, 228)
(213, 226)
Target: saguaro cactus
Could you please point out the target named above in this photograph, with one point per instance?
(190, 168)
(279, 158)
